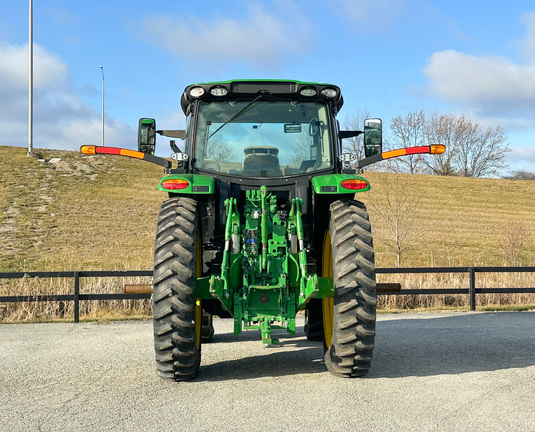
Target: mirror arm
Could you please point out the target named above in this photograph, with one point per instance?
(180, 134)
(349, 134)
(174, 146)
(369, 160)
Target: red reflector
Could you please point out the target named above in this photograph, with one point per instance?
(354, 184)
(175, 184)
(418, 150)
(108, 150)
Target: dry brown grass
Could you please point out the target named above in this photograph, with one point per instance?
(64, 310)
(90, 213)
(99, 213)
(455, 281)
(460, 220)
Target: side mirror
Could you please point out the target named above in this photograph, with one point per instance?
(373, 136)
(146, 135)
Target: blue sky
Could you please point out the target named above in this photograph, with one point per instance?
(389, 58)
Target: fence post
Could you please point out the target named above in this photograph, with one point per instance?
(76, 297)
(472, 289)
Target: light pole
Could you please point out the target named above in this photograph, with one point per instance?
(30, 83)
(102, 70)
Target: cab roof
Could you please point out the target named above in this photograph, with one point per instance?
(272, 89)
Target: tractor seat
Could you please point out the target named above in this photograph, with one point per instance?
(261, 161)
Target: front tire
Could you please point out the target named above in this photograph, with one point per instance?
(349, 317)
(177, 314)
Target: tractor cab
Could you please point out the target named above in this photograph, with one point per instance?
(269, 130)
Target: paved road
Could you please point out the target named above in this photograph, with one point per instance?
(431, 372)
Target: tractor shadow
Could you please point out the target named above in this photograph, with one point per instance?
(404, 347)
(294, 355)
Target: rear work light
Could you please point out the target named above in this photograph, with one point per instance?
(308, 92)
(175, 184)
(218, 91)
(354, 184)
(329, 93)
(196, 92)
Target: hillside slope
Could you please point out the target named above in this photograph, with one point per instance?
(79, 212)
(99, 212)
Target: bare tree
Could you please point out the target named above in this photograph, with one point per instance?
(440, 129)
(408, 131)
(483, 152)
(396, 206)
(521, 175)
(301, 151)
(355, 145)
(471, 150)
(219, 150)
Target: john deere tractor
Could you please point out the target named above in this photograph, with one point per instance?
(261, 222)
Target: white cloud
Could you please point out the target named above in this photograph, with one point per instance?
(493, 89)
(61, 119)
(479, 80)
(522, 157)
(260, 38)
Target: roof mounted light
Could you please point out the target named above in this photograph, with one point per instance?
(196, 92)
(218, 91)
(329, 93)
(308, 92)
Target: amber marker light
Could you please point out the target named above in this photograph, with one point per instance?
(175, 184)
(132, 153)
(90, 150)
(354, 184)
(437, 148)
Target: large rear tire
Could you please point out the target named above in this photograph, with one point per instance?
(177, 314)
(349, 317)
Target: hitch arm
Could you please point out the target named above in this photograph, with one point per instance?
(92, 150)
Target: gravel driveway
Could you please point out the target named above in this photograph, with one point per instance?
(431, 372)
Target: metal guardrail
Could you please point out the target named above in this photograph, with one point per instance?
(77, 275)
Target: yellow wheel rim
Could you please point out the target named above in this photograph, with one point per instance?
(198, 302)
(327, 303)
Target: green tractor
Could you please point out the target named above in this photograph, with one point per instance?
(261, 222)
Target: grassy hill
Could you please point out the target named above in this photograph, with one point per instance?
(99, 212)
